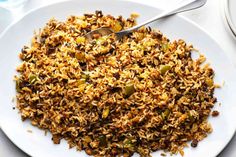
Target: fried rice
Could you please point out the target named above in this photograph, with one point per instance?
(141, 94)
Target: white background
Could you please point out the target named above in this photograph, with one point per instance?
(210, 17)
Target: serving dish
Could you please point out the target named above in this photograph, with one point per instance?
(176, 27)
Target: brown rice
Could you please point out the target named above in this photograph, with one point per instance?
(110, 98)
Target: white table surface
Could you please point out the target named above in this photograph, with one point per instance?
(210, 17)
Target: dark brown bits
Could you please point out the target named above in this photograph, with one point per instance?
(157, 35)
(149, 29)
(110, 51)
(67, 44)
(50, 50)
(47, 121)
(102, 141)
(88, 15)
(64, 81)
(215, 113)
(23, 118)
(116, 75)
(83, 65)
(114, 89)
(130, 20)
(210, 72)
(105, 43)
(78, 46)
(23, 50)
(214, 100)
(141, 65)
(20, 84)
(13, 108)
(120, 18)
(145, 53)
(194, 143)
(121, 23)
(98, 13)
(97, 97)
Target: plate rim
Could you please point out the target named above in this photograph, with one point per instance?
(132, 1)
(228, 17)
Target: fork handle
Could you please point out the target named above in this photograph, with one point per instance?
(164, 14)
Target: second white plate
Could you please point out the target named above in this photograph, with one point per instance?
(230, 14)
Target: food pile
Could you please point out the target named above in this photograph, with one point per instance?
(140, 94)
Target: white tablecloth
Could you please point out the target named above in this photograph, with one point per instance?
(210, 17)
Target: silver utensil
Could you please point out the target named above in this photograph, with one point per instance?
(184, 5)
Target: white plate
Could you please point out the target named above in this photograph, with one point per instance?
(5, 18)
(175, 27)
(230, 14)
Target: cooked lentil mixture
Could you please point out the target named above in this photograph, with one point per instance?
(113, 98)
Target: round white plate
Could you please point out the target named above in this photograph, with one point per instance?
(175, 27)
(230, 14)
(5, 18)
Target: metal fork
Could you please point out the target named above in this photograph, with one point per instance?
(184, 5)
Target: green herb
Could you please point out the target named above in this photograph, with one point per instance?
(32, 78)
(165, 114)
(105, 112)
(164, 69)
(129, 90)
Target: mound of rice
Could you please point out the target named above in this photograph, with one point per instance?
(110, 98)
